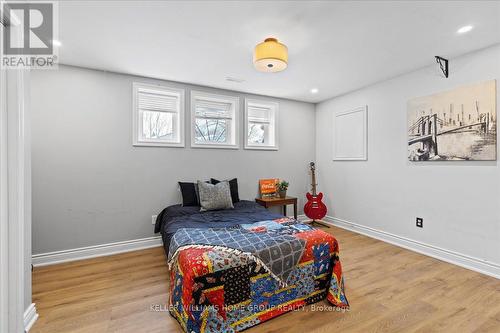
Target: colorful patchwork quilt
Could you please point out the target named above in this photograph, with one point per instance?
(229, 279)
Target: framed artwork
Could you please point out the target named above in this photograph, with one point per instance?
(455, 125)
(350, 137)
(267, 187)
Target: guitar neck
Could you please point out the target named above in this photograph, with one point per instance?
(313, 182)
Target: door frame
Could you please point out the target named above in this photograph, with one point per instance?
(15, 202)
(4, 221)
(17, 313)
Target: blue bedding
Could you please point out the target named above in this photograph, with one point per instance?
(175, 217)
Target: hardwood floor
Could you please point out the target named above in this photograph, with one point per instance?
(390, 289)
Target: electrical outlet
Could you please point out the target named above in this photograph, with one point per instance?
(420, 222)
(153, 219)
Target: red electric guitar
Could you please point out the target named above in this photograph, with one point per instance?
(314, 209)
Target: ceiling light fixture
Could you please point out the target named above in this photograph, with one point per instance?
(57, 43)
(465, 29)
(270, 56)
(314, 90)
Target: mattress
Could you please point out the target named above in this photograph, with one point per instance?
(220, 283)
(175, 217)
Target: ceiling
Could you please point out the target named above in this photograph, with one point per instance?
(335, 47)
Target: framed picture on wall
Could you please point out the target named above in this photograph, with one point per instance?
(455, 125)
(350, 137)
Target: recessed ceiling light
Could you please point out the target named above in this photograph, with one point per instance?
(464, 29)
(314, 90)
(57, 43)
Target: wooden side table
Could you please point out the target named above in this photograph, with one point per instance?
(277, 201)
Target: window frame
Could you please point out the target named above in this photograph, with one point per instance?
(137, 120)
(274, 106)
(235, 129)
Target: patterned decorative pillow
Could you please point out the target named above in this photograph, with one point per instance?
(233, 186)
(214, 197)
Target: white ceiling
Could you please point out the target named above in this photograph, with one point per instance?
(336, 47)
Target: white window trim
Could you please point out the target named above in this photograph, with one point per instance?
(265, 103)
(135, 116)
(235, 101)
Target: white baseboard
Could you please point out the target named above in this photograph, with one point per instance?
(51, 258)
(475, 264)
(30, 316)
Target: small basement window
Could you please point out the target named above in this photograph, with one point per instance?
(261, 125)
(158, 116)
(214, 120)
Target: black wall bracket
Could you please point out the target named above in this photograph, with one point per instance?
(443, 63)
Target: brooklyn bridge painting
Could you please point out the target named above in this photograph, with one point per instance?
(455, 125)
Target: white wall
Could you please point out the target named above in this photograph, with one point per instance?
(91, 186)
(459, 201)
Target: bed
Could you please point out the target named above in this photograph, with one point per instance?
(233, 269)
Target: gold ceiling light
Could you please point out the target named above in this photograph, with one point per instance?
(270, 56)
